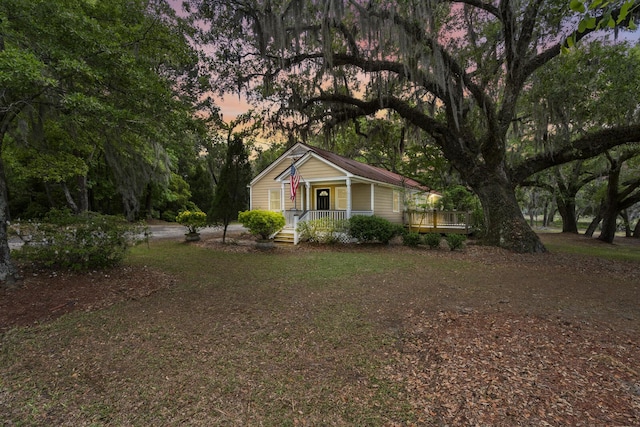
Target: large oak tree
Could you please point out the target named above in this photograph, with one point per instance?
(454, 69)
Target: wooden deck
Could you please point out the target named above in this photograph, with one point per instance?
(445, 222)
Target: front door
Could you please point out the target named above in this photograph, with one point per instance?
(322, 199)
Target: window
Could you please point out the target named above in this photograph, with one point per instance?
(341, 198)
(396, 201)
(274, 200)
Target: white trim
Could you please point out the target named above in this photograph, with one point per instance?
(349, 207)
(373, 198)
(315, 196)
(304, 159)
(285, 155)
(395, 195)
(275, 191)
(282, 197)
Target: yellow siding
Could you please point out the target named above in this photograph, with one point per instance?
(314, 169)
(361, 197)
(384, 205)
(260, 190)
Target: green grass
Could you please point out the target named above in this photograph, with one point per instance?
(622, 249)
(259, 338)
(242, 339)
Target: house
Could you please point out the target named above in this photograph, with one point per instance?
(334, 187)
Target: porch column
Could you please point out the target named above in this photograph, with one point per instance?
(348, 198)
(307, 187)
(282, 197)
(373, 197)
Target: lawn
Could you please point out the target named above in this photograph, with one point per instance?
(364, 335)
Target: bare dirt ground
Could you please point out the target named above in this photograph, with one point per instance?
(480, 360)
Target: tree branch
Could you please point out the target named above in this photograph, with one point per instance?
(583, 148)
(487, 7)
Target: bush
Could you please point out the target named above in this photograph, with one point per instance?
(193, 220)
(432, 240)
(77, 242)
(455, 241)
(411, 238)
(169, 216)
(373, 228)
(262, 223)
(322, 231)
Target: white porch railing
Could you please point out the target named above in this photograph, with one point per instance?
(325, 218)
(331, 215)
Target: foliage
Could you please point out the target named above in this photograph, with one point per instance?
(193, 220)
(321, 231)
(411, 238)
(373, 228)
(231, 193)
(262, 223)
(432, 240)
(457, 197)
(98, 100)
(77, 242)
(461, 92)
(455, 241)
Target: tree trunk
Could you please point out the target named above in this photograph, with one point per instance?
(67, 194)
(148, 202)
(609, 223)
(567, 210)
(636, 231)
(506, 226)
(594, 225)
(83, 194)
(627, 225)
(8, 271)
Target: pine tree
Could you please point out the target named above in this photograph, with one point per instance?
(231, 194)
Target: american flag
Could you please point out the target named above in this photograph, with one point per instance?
(295, 180)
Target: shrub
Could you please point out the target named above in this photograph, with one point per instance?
(411, 238)
(322, 231)
(432, 240)
(262, 223)
(373, 228)
(77, 242)
(169, 216)
(455, 241)
(193, 220)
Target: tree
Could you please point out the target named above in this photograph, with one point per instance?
(454, 70)
(622, 191)
(555, 108)
(84, 85)
(231, 194)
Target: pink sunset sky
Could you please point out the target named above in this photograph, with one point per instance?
(232, 105)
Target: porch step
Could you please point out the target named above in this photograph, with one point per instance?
(285, 236)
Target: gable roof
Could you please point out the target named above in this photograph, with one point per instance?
(364, 170)
(301, 152)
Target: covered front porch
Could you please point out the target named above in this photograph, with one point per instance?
(328, 199)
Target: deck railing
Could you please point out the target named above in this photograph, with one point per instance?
(438, 220)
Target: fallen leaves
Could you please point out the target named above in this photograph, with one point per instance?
(500, 369)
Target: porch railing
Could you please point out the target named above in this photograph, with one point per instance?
(435, 220)
(330, 215)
